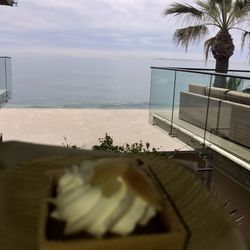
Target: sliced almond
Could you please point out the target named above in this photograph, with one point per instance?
(109, 168)
(143, 186)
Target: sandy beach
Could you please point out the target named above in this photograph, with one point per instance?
(83, 127)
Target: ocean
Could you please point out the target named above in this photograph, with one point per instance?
(74, 82)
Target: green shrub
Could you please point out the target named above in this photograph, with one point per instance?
(233, 83)
(107, 144)
(67, 145)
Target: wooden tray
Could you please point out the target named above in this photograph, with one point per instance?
(23, 187)
(32, 192)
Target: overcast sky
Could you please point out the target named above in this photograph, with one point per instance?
(93, 28)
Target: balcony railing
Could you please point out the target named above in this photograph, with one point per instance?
(5, 80)
(185, 100)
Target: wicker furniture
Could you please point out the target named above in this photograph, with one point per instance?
(228, 111)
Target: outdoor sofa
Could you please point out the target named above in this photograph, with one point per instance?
(228, 111)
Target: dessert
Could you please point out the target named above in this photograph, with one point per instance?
(105, 196)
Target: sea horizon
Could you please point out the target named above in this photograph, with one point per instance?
(102, 83)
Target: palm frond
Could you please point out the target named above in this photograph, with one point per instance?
(210, 7)
(228, 5)
(241, 7)
(189, 34)
(211, 11)
(240, 11)
(187, 12)
(245, 39)
(180, 9)
(208, 46)
(216, 1)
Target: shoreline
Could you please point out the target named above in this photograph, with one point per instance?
(73, 107)
(83, 127)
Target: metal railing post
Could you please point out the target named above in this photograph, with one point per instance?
(207, 111)
(173, 103)
(6, 83)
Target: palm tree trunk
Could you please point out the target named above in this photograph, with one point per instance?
(221, 67)
(222, 50)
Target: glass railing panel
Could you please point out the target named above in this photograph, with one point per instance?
(215, 116)
(230, 111)
(3, 84)
(245, 85)
(9, 77)
(5, 79)
(190, 105)
(161, 93)
(2, 74)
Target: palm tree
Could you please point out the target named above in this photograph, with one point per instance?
(224, 15)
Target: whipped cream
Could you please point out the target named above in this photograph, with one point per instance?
(107, 204)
